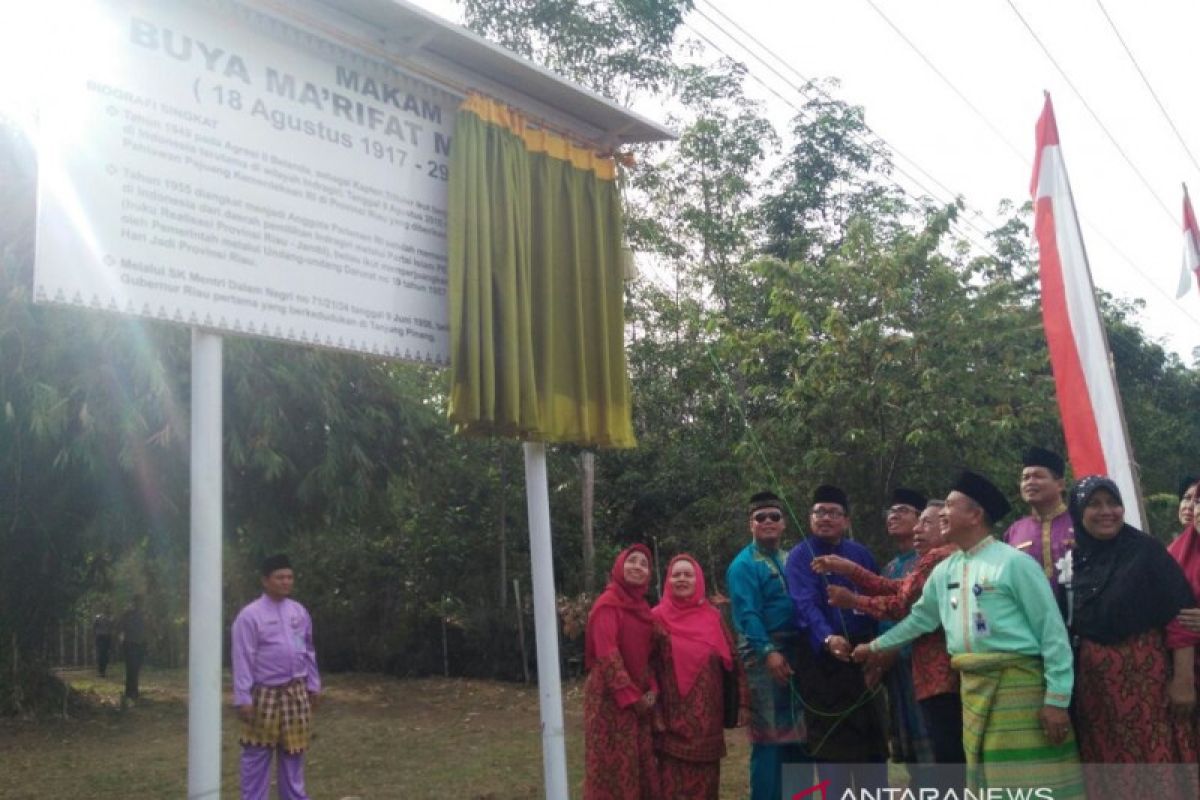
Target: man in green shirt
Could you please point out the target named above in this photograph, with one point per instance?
(1007, 639)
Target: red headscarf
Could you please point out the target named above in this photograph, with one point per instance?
(635, 619)
(1186, 549)
(695, 629)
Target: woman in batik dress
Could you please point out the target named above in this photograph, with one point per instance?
(693, 649)
(1129, 687)
(620, 691)
(1186, 551)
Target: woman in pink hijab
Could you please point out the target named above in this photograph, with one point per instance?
(692, 650)
(620, 692)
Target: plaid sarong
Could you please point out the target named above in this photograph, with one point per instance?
(776, 717)
(282, 718)
(1002, 694)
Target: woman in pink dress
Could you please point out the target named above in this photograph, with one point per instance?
(693, 649)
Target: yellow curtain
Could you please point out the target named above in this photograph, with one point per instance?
(536, 300)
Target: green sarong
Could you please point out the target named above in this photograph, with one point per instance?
(1002, 694)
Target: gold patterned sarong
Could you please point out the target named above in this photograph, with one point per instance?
(282, 718)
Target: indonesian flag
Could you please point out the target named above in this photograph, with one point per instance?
(1083, 378)
(1191, 247)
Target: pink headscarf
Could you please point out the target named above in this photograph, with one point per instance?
(695, 629)
(636, 620)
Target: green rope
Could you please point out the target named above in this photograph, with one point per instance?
(772, 478)
(867, 696)
(777, 485)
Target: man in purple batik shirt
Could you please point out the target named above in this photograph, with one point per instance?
(1048, 533)
(275, 684)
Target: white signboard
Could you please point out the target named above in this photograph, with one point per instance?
(209, 165)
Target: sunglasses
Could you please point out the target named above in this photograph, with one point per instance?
(765, 516)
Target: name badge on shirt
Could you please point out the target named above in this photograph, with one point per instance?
(979, 624)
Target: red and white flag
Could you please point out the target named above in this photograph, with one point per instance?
(1191, 247)
(1083, 378)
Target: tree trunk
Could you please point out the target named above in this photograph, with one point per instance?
(503, 525)
(445, 645)
(16, 675)
(587, 463)
(521, 628)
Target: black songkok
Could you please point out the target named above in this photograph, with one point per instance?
(275, 562)
(909, 497)
(1041, 457)
(765, 500)
(984, 492)
(831, 494)
(1186, 484)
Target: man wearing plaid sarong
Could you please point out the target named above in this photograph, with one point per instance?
(275, 684)
(770, 648)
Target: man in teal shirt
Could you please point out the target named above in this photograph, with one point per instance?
(769, 645)
(1006, 638)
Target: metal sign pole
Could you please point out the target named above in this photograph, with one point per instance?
(204, 606)
(545, 622)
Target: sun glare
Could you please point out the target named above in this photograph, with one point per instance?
(44, 48)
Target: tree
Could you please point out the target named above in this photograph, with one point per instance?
(614, 48)
(832, 173)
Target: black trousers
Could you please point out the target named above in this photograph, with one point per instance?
(943, 714)
(134, 654)
(103, 646)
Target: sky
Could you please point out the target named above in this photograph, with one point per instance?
(1131, 225)
(983, 151)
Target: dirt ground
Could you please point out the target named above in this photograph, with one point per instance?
(377, 737)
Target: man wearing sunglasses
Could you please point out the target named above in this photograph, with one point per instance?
(850, 729)
(769, 645)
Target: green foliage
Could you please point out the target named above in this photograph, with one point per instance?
(800, 321)
(611, 47)
(832, 173)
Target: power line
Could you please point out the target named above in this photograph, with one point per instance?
(1146, 81)
(802, 112)
(1095, 116)
(891, 149)
(883, 150)
(1096, 229)
(966, 100)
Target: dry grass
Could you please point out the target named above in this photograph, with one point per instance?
(377, 737)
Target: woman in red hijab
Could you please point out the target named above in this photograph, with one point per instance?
(1185, 630)
(692, 650)
(620, 692)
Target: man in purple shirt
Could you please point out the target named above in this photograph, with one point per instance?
(848, 729)
(275, 684)
(1047, 534)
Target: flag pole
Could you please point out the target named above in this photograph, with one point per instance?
(1134, 468)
